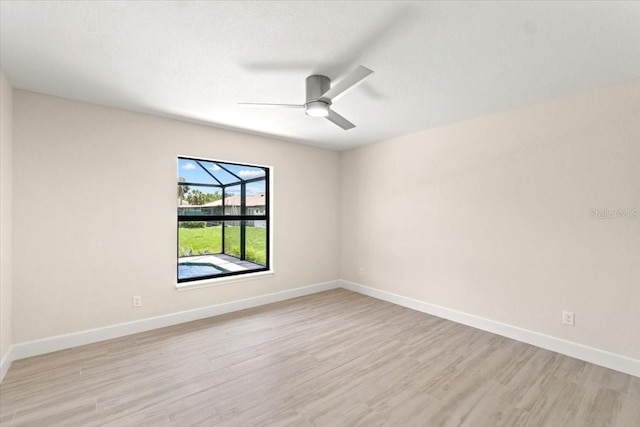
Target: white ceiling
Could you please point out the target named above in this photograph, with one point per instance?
(436, 62)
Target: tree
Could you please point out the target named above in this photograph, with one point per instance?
(182, 189)
(212, 197)
(196, 198)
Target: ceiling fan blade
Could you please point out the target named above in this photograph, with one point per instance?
(337, 119)
(349, 82)
(255, 104)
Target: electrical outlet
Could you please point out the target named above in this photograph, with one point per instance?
(361, 271)
(568, 318)
(136, 301)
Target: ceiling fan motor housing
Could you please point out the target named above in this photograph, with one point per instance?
(317, 86)
(315, 105)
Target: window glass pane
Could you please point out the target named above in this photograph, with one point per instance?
(199, 200)
(232, 200)
(190, 171)
(198, 245)
(219, 172)
(256, 242)
(196, 238)
(255, 247)
(232, 238)
(243, 171)
(256, 198)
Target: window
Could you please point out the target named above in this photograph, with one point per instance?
(223, 219)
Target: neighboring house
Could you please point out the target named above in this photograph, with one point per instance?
(254, 206)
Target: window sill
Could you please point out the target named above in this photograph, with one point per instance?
(206, 283)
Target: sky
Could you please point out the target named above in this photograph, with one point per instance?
(192, 172)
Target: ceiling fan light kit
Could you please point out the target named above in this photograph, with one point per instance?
(317, 109)
(320, 96)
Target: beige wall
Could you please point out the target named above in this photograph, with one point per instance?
(95, 204)
(6, 144)
(492, 217)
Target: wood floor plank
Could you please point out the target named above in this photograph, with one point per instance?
(333, 358)
(600, 406)
(630, 416)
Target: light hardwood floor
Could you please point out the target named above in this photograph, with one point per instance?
(333, 359)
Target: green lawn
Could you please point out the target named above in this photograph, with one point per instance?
(197, 241)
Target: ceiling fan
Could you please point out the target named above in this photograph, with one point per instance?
(321, 95)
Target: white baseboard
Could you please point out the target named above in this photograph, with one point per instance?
(6, 363)
(61, 342)
(588, 354)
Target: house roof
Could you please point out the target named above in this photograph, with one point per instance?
(251, 201)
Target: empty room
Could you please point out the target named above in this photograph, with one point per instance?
(319, 213)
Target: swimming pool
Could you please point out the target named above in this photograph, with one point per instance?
(189, 270)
